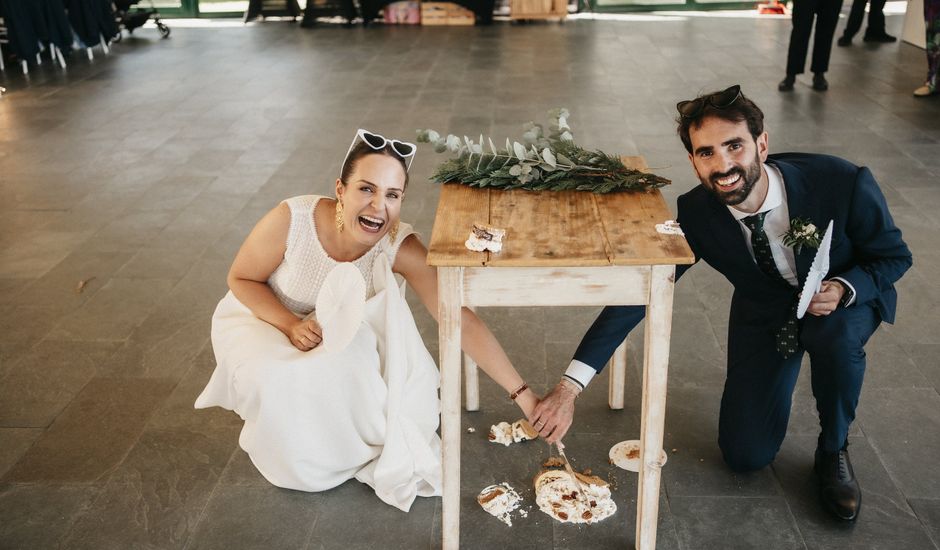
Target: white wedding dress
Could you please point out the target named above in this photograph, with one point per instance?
(362, 405)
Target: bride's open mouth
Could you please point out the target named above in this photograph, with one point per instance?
(370, 224)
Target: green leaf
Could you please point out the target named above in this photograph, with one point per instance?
(519, 150)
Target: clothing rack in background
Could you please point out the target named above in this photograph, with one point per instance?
(30, 27)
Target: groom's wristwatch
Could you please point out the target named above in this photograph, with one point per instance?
(847, 296)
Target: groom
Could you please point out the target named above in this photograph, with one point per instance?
(735, 221)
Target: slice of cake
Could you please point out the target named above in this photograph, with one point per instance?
(485, 237)
(506, 434)
(500, 501)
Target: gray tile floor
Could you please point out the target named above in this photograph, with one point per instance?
(142, 172)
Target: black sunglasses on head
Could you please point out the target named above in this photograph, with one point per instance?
(719, 100)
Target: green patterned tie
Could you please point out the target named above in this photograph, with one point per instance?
(787, 342)
(761, 245)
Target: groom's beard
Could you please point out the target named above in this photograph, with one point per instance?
(749, 174)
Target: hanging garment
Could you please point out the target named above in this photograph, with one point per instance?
(91, 20)
(19, 19)
(56, 22)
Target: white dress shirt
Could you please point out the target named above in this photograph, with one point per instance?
(776, 223)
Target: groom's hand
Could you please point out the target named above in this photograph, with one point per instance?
(827, 299)
(553, 415)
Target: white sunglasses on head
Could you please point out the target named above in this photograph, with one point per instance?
(403, 149)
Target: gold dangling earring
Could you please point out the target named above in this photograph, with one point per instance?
(339, 215)
(393, 232)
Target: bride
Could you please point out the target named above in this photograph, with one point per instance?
(317, 350)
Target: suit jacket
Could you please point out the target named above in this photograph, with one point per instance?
(867, 248)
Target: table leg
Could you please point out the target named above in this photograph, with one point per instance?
(655, 365)
(471, 384)
(618, 376)
(450, 295)
(471, 376)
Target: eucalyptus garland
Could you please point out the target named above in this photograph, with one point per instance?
(541, 162)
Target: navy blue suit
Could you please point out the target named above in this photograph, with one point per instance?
(867, 251)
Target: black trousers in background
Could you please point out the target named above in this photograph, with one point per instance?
(876, 18)
(826, 14)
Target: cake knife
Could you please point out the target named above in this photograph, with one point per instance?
(570, 470)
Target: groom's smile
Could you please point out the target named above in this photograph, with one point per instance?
(727, 159)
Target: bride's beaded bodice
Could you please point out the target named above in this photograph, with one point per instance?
(297, 281)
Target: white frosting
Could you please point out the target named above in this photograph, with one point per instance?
(555, 497)
(501, 433)
(502, 505)
(484, 237)
(669, 227)
(479, 245)
(506, 434)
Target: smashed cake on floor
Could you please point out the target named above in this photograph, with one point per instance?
(506, 434)
(500, 501)
(557, 495)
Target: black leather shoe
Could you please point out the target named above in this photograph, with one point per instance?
(881, 37)
(820, 84)
(844, 41)
(838, 488)
(786, 85)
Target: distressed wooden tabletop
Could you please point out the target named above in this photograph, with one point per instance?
(556, 228)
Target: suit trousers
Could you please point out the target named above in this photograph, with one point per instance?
(876, 18)
(758, 393)
(826, 15)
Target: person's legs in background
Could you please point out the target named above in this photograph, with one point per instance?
(854, 23)
(876, 24)
(875, 32)
(932, 22)
(827, 17)
(804, 11)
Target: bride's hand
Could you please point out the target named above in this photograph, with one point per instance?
(305, 334)
(527, 401)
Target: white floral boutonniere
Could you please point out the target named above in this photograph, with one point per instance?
(801, 233)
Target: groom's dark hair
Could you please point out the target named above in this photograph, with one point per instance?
(741, 109)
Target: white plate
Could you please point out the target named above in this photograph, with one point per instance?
(620, 455)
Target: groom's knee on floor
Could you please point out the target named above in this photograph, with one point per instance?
(745, 458)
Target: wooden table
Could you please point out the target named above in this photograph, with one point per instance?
(560, 249)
